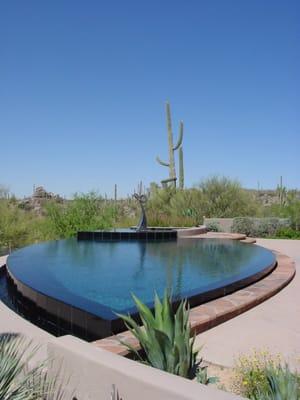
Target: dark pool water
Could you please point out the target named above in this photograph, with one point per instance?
(99, 277)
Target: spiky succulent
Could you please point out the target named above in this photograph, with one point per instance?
(19, 381)
(165, 337)
(283, 384)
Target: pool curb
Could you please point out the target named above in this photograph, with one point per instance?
(215, 312)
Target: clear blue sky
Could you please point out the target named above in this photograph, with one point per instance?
(83, 86)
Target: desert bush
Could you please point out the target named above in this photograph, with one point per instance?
(266, 227)
(243, 225)
(14, 226)
(290, 210)
(225, 198)
(259, 227)
(168, 207)
(189, 204)
(213, 226)
(84, 212)
(260, 376)
(250, 373)
(287, 233)
(214, 197)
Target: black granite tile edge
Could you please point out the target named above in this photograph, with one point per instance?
(60, 318)
(151, 235)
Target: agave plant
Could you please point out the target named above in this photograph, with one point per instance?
(165, 338)
(283, 384)
(19, 381)
(202, 375)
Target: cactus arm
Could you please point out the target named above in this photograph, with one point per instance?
(181, 169)
(179, 142)
(162, 162)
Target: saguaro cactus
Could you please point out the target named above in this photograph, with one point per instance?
(172, 148)
(116, 192)
(282, 193)
(181, 169)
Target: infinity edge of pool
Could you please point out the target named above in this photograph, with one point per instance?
(91, 320)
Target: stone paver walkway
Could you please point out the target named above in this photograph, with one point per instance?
(273, 325)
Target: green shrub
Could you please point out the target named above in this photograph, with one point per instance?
(266, 227)
(84, 212)
(259, 227)
(260, 376)
(213, 226)
(287, 233)
(216, 197)
(225, 198)
(14, 226)
(168, 207)
(250, 373)
(290, 209)
(165, 338)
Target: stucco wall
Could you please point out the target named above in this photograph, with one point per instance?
(92, 372)
(224, 223)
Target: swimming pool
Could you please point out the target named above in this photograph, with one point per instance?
(82, 285)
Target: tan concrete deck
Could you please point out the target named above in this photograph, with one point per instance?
(273, 325)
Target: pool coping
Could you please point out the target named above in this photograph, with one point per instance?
(215, 312)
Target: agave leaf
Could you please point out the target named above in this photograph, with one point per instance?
(156, 359)
(198, 349)
(134, 328)
(184, 368)
(163, 339)
(172, 361)
(168, 316)
(158, 308)
(283, 384)
(144, 311)
(155, 355)
(132, 349)
(17, 380)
